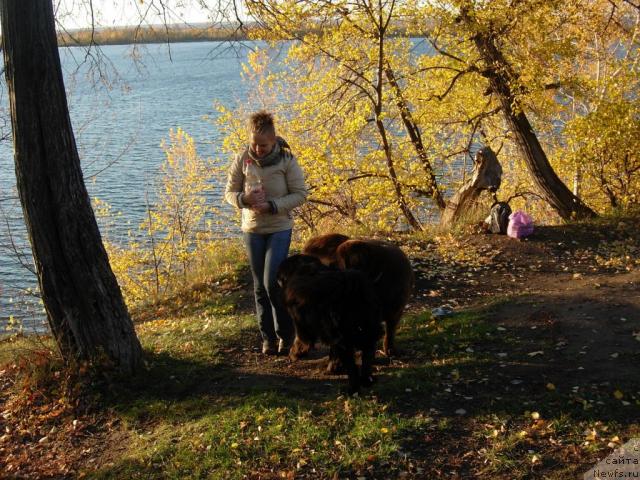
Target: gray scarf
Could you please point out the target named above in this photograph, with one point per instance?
(280, 149)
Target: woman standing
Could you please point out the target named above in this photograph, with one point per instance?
(266, 182)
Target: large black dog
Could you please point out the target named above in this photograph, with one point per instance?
(383, 263)
(335, 307)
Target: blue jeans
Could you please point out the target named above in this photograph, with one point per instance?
(266, 253)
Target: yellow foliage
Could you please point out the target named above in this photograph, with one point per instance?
(340, 117)
(174, 238)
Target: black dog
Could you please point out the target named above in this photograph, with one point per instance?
(385, 264)
(335, 307)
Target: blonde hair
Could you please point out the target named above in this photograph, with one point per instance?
(261, 122)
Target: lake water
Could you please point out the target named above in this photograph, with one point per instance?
(118, 131)
(121, 111)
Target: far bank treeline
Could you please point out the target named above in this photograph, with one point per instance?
(126, 35)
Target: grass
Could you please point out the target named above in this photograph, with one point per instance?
(463, 400)
(194, 413)
(188, 417)
(198, 412)
(13, 346)
(260, 432)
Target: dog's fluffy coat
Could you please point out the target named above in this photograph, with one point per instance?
(336, 307)
(383, 263)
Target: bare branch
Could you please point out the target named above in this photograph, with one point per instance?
(445, 53)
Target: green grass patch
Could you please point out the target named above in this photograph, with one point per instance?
(207, 405)
(264, 432)
(15, 346)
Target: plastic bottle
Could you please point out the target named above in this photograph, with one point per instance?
(253, 182)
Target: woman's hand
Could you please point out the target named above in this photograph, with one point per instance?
(254, 197)
(262, 207)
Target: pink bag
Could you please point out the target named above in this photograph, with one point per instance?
(520, 225)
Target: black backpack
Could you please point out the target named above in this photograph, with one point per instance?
(499, 217)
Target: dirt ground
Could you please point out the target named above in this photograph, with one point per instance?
(568, 297)
(558, 284)
(569, 300)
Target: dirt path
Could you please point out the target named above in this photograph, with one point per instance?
(566, 306)
(569, 297)
(564, 311)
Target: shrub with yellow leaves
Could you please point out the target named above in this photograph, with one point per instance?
(175, 237)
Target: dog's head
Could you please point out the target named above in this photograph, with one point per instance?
(355, 254)
(324, 247)
(298, 265)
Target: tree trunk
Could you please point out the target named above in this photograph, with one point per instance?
(487, 175)
(416, 139)
(83, 302)
(402, 202)
(501, 78)
(406, 211)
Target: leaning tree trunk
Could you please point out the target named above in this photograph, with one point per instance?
(554, 191)
(84, 305)
(487, 175)
(386, 147)
(416, 139)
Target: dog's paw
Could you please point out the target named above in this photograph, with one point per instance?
(350, 391)
(298, 350)
(293, 357)
(389, 352)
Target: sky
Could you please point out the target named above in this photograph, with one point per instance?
(72, 14)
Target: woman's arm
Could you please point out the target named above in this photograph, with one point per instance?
(297, 195)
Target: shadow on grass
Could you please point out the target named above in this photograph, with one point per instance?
(463, 375)
(478, 371)
(507, 359)
(524, 354)
(198, 384)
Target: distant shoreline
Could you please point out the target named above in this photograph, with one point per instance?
(153, 42)
(150, 35)
(154, 34)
